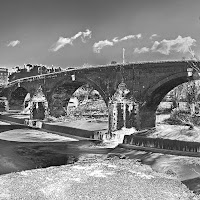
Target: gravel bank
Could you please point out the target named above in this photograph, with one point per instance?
(93, 177)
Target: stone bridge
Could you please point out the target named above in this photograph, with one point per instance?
(142, 85)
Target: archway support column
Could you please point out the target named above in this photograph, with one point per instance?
(123, 110)
(123, 115)
(4, 105)
(39, 106)
(38, 109)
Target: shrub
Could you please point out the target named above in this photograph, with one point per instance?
(183, 118)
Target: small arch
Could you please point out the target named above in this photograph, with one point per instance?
(87, 102)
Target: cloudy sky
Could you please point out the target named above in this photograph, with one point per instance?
(74, 32)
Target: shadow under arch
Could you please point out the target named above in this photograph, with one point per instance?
(17, 97)
(154, 96)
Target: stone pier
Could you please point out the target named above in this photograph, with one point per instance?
(123, 110)
(4, 106)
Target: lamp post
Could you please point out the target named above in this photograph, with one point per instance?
(123, 55)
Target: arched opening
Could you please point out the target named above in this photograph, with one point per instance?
(60, 96)
(78, 101)
(181, 105)
(26, 104)
(178, 114)
(154, 96)
(86, 102)
(17, 98)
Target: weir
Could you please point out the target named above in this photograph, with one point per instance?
(161, 143)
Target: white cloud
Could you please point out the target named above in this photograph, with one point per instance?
(86, 35)
(153, 36)
(76, 36)
(13, 43)
(155, 46)
(115, 39)
(139, 36)
(142, 50)
(99, 45)
(180, 44)
(128, 37)
(63, 41)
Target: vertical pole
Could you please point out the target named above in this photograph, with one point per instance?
(123, 55)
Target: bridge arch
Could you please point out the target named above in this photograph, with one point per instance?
(16, 97)
(156, 93)
(65, 88)
(154, 96)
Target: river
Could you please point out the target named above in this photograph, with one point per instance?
(23, 149)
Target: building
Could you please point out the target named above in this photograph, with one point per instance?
(3, 76)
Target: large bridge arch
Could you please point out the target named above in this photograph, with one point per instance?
(154, 96)
(156, 93)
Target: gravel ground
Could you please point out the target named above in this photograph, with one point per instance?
(93, 177)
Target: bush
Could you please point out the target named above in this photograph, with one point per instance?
(183, 118)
